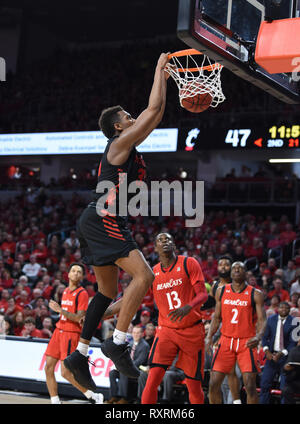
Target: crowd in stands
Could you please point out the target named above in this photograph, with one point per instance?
(36, 251)
(67, 91)
(38, 242)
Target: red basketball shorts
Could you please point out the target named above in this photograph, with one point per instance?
(187, 342)
(229, 351)
(62, 343)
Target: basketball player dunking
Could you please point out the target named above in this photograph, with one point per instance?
(106, 242)
(240, 308)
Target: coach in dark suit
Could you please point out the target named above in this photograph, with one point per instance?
(277, 342)
(120, 385)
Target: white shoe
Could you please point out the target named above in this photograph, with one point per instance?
(99, 398)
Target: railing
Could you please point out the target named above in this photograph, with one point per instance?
(278, 191)
(277, 254)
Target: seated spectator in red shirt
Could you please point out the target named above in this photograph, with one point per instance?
(30, 329)
(6, 326)
(7, 259)
(4, 300)
(47, 328)
(210, 268)
(288, 235)
(16, 270)
(274, 242)
(273, 308)
(41, 252)
(37, 235)
(272, 266)
(9, 243)
(283, 294)
(12, 307)
(255, 249)
(18, 323)
(6, 281)
(252, 282)
(23, 250)
(22, 299)
(145, 318)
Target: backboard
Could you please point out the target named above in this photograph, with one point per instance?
(226, 31)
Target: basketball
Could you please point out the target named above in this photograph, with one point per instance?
(197, 103)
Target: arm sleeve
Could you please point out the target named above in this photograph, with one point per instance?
(201, 294)
(194, 271)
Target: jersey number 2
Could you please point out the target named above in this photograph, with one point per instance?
(235, 313)
(173, 297)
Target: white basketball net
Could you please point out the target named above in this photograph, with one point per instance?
(195, 78)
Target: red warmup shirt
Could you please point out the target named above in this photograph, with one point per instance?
(173, 288)
(238, 312)
(73, 301)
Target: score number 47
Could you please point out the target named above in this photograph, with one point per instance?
(238, 138)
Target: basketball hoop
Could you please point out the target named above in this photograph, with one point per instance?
(196, 79)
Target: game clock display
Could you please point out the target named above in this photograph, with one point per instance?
(273, 137)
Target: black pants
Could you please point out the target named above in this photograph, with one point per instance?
(289, 390)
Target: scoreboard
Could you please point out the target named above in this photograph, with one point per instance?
(273, 137)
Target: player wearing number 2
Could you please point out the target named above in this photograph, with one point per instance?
(179, 292)
(240, 308)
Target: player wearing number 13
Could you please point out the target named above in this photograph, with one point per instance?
(240, 308)
(179, 292)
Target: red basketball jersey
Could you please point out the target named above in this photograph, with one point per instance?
(173, 288)
(238, 312)
(73, 301)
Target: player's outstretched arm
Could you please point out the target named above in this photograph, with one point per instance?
(151, 116)
(261, 320)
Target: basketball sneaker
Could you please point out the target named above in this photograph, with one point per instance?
(120, 356)
(78, 364)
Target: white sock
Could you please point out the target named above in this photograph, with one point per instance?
(119, 337)
(55, 399)
(237, 401)
(89, 394)
(83, 348)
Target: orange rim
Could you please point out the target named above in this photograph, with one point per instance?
(188, 52)
(185, 52)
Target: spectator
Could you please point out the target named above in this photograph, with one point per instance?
(4, 301)
(72, 241)
(12, 307)
(149, 333)
(283, 294)
(30, 330)
(6, 281)
(273, 308)
(31, 269)
(8, 326)
(18, 323)
(289, 272)
(47, 327)
(277, 342)
(288, 235)
(272, 266)
(295, 286)
(144, 319)
(22, 299)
